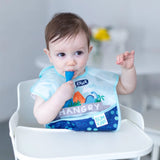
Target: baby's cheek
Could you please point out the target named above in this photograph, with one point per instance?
(83, 63)
(60, 69)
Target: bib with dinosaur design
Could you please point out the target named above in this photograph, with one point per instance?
(94, 106)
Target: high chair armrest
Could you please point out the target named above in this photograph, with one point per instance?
(132, 115)
(13, 123)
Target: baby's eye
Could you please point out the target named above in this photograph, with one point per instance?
(61, 54)
(78, 53)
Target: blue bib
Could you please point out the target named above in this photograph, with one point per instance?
(94, 106)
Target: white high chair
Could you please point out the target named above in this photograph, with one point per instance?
(152, 128)
(32, 141)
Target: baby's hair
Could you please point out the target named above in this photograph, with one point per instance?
(65, 25)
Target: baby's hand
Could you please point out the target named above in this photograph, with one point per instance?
(66, 90)
(126, 60)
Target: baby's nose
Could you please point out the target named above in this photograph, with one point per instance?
(71, 62)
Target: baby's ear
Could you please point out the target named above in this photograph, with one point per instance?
(47, 52)
(90, 49)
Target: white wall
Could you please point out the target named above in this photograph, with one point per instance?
(144, 24)
(140, 17)
(21, 41)
(22, 24)
(102, 12)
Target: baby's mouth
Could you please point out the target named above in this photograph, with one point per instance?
(75, 72)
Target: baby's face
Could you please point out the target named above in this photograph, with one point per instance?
(69, 54)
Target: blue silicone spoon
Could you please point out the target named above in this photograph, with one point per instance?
(69, 75)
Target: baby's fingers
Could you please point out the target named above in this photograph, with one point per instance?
(120, 59)
(128, 54)
(132, 52)
(71, 83)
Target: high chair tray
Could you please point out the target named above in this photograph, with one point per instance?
(47, 144)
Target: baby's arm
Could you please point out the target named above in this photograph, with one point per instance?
(46, 111)
(127, 80)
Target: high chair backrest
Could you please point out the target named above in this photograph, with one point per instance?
(26, 104)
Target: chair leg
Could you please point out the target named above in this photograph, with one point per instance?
(155, 152)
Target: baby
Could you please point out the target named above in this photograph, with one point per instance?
(68, 48)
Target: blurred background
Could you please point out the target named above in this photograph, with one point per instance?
(22, 25)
